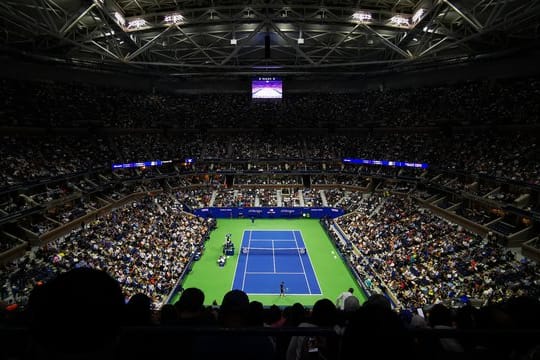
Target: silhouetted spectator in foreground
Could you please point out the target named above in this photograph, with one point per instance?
(324, 314)
(256, 314)
(376, 330)
(191, 310)
(234, 313)
(273, 317)
(440, 317)
(139, 310)
(292, 317)
(168, 315)
(76, 315)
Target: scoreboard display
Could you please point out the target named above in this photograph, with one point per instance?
(266, 87)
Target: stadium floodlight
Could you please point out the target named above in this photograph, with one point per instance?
(399, 20)
(418, 15)
(300, 40)
(174, 18)
(136, 23)
(119, 18)
(234, 41)
(362, 16)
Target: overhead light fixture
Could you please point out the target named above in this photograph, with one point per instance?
(418, 15)
(399, 20)
(174, 18)
(300, 39)
(234, 41)
(136, 24)
(119, 18)
(362, 16)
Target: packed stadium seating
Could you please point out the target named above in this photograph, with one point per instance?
(425, 259)
(56, 170)
(70, 105)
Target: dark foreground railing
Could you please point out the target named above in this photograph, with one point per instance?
(197, 342)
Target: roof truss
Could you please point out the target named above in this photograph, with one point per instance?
(205, 36)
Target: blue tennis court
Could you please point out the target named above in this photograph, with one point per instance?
(268, 257)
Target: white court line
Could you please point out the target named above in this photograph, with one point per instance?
(303, 268)
(301, 261)
(247, 258)
(256, 240)
(312, 267)
(237, 261)
(274, 273)
(287, 294)
(274, 256)
(283, 230)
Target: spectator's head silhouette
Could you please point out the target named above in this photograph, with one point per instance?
(168, 315)
(440, 315)
(324, 313)
(379, 301)
(234, 309)
(190, 303)
(256, 314)
(139, 310)
(372, 323)
(294, 315)
(79, 311)
(272, 315)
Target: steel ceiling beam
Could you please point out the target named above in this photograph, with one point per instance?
(39, 28)
(79, 15)
(190, 39)
(244, 42)
(147, 45)
(467, 17)
(427, 20)
(232, 67)
(107, 51)
(388, 43)
(108, 18)
(345, 37)
(203, 41)
(533, 11)
(294, 44)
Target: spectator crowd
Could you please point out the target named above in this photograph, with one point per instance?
(145, 245)
(424, 259)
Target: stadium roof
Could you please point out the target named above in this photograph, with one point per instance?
(237, 37)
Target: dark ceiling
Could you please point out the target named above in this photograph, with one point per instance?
(237, 37)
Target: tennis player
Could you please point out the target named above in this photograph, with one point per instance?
(282, 289)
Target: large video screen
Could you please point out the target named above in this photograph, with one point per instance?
(266, 88)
